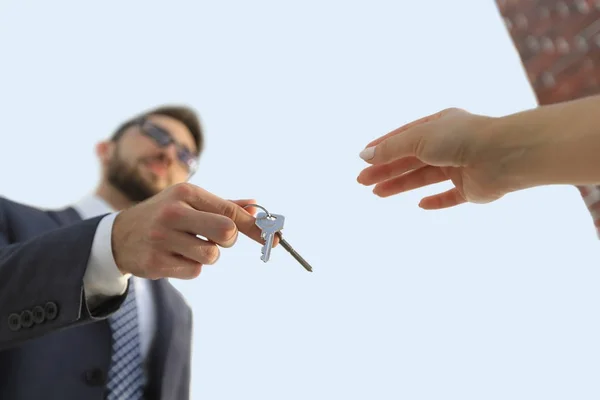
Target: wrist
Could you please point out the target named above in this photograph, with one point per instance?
(520, 150)
(115, 239)
(554, 144)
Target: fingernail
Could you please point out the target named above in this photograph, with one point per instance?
(367, 153)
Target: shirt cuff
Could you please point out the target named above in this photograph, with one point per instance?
(102, 279)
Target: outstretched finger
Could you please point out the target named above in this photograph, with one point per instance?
(449, 198)
(379, 173)
(394, 146)
(403, 128)
(411, 180)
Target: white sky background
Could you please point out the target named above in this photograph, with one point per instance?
(478, 302)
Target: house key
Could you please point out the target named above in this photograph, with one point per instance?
(271, 225)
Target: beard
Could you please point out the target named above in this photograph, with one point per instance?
(128, 180)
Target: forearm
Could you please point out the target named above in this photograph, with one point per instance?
(555, 144)
(46, 269)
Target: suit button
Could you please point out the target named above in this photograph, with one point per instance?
(51, 310)
(26, 319)
(95, 377)
(38, 314)
(14, 322)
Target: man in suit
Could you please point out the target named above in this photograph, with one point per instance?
(86, 311)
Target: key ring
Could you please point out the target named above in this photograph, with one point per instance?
(261, 207)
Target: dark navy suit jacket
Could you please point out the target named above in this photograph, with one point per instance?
(51, 345)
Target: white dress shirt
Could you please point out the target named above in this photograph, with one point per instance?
(103, 279)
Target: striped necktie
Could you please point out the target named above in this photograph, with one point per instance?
(559, 45)
(126, 377)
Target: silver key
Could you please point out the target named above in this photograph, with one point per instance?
(269, 224)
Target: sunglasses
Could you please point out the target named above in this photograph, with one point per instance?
(163, 138)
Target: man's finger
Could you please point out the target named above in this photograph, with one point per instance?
(215, 227)
(179, 267)
(203, 200)
(246, 205)
(193, 248)
(252, 211)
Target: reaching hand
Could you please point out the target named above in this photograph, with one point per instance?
(449, 145)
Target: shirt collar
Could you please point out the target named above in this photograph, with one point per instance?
(92, 206)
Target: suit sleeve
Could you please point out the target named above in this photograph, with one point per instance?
(41, 283)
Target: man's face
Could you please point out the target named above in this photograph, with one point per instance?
(138, 167)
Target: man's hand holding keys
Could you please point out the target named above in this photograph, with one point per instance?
(157, 238)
